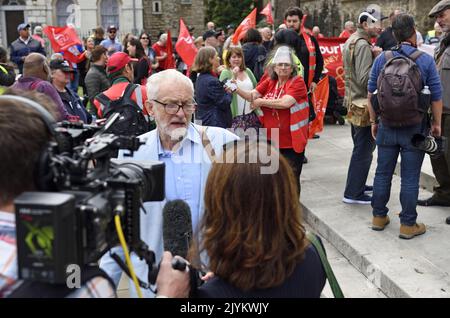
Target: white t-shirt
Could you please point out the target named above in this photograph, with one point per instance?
(245, 85)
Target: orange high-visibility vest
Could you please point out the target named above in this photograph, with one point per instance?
(312, 57)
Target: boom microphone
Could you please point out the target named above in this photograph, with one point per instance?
(177, 227)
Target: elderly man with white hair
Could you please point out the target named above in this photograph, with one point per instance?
(349, 29)
(182, 146)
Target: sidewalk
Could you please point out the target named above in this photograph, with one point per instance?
(416, 268)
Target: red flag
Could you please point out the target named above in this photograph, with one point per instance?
(185, 46)
(61, 38)
(331, 49)
(170, 62)
(248, 23)
(267, 11)
(320, 100)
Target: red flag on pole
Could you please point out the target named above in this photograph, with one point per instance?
(248, 23)
(320, 99)
(185, 45)
(170, 62)
(61, 38)
(267, 11)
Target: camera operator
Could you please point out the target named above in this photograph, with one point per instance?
(24, 137)
(184, 148)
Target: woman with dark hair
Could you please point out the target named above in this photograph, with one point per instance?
(254, 53)
(282, 104)
(146, 42)
(252, 229)
(213, 102)
(142, 69)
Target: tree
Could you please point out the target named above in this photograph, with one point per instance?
(228, 12)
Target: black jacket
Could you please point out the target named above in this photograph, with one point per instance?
(303, 54)
(386, 40)
(74, 106)
(8, 78)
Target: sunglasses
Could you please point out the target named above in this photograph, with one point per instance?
(144, 38)
(112, 31)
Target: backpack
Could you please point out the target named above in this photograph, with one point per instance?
(132, 121)
(399, 89)
(258, 69)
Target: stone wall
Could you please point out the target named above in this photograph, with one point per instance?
(193, 14)
(330, 15)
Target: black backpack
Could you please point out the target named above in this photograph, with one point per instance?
(132, 121)
(399, 90)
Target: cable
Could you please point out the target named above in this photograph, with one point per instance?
(127, 254)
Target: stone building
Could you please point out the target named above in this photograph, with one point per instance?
(83, 14)
(330, 15)
(162, 15)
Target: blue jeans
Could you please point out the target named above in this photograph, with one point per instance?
(391, 142)
(358, 170)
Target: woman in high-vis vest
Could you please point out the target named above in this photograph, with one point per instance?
(282, 104)
(7, 74)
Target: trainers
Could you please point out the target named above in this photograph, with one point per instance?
(380, 222)
(368, 190)
(365, 199)
(408, 232)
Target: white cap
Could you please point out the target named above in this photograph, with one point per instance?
(364, 16)
(282, 55)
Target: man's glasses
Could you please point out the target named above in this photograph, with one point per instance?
(283, 65)
(172, 108)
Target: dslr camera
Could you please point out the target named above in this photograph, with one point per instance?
(434, 146)
(71, 219)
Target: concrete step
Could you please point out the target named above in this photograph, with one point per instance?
(352, 282)
(416, 268)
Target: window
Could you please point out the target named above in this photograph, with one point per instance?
(109, 10)
(186, 1)
(157, 9)
(13, 3)
(64, 9)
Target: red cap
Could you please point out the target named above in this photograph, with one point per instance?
(118, 61)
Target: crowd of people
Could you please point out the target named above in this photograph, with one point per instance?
(250, 236)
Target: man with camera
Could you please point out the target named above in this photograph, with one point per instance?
(399, 117)
(186, 149)
(25, 136)
(441, 164)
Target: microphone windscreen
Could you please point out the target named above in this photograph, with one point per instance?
(177, 227)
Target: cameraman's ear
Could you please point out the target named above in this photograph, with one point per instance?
(149, 107)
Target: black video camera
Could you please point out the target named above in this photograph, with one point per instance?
(434, 146)
(70, 220)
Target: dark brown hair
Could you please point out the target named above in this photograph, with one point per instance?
(202, 63)
(97, 53)
(238, 51)
(293, 11)
(24, 137)
(251, 229)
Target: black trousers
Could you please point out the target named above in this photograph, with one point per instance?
(295, 160)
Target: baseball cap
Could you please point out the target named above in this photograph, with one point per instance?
(117, 61)
(23, 26)
(209, 34)
(111, 27)
(230, 26)
(372, 14)
(62, 65)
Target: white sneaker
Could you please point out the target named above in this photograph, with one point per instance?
(364, 200)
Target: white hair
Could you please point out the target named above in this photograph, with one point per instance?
(163, 37)
(349, 24)
(170, 76)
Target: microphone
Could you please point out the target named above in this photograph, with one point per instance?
(177, 236)
(177, 227)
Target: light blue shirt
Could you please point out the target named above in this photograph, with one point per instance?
(114, 43)
(183, 174)
(192, 164)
